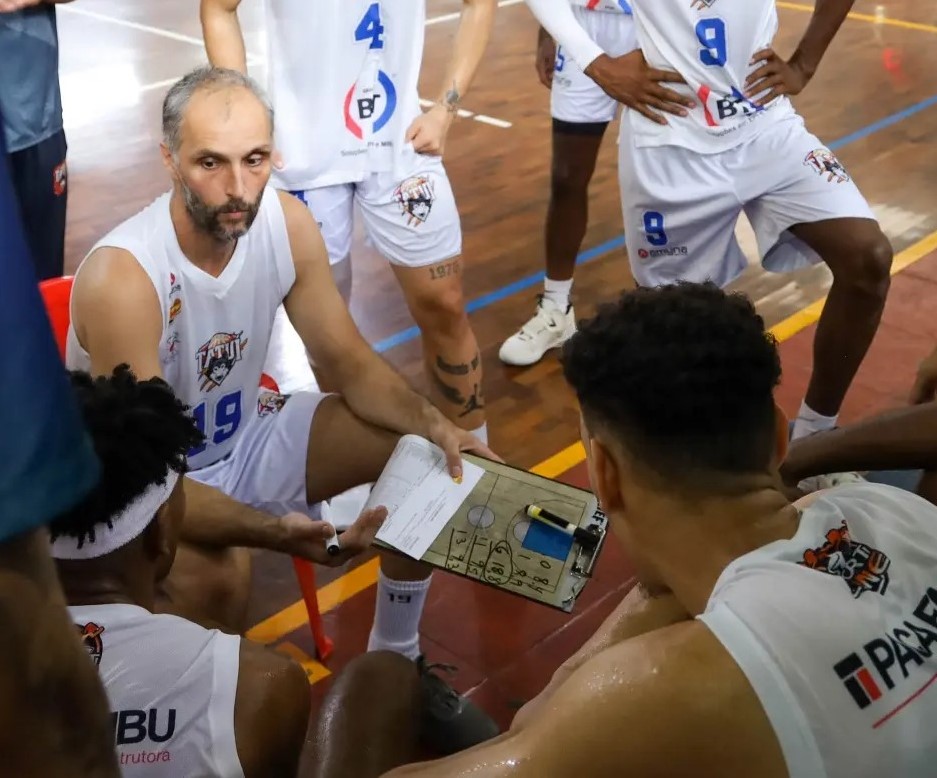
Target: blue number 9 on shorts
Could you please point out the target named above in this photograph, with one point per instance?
(654, 228)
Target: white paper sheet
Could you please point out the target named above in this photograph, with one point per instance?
(419, 494)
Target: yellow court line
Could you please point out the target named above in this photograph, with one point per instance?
(351, 583)
(789, 327)
(315, 671)
(558, 464)
(857, 17)
(330, 596)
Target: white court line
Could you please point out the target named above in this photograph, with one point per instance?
(159, 84)
(478, 117)
(78, 10)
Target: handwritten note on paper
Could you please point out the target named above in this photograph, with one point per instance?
(419, 494)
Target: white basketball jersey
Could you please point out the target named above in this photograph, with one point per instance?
(343, 81)
(608, 6)
(171, 685)
(836, 629)
(215, 330)
(710, 43)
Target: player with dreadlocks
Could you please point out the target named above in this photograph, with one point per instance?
(185, 700)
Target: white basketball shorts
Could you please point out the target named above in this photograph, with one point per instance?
(266, 469)
(410, 218)
(680, 207)
(575, 97)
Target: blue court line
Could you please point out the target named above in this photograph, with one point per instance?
(411, 333)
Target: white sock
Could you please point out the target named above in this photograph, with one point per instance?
(481, 433)
(397, 616)
(808, 422)
(558, 292)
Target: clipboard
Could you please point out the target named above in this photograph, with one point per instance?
(490, 539)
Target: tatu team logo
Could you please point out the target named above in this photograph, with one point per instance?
(90, 636)
(217, 357)
(415, 196)
(824, 163)
(862, 568)
(368, 109)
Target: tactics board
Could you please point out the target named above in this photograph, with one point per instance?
(491, 539)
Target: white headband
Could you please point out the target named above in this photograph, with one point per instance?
(125, 526)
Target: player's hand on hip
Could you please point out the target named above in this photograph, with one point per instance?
(774, 78)
(925, 384)
(428, 131)
(630, 81)
(546, 58)
(453, 441)
(305, 538)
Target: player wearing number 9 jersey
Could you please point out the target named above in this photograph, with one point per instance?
(741, 146)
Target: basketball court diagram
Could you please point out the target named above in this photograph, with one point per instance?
(491, 539)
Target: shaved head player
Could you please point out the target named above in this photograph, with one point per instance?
(765, 638)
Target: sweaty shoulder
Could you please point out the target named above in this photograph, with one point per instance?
(271, 712)
(116, 312)
(670, 702)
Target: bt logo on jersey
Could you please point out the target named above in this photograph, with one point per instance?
(731, 106)
(368, 108)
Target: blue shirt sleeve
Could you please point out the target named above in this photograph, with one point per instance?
(47, 462)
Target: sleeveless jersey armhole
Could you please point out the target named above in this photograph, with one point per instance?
(226, 664)
(801, 753)
(136, 251)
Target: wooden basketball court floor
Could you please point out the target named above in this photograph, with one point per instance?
(874, 102)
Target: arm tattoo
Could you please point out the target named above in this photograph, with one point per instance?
(452, 99)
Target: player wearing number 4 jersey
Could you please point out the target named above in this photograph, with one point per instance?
(731, 141)
(343, 77)
(188, 290)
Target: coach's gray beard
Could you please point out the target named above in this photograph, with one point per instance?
(207, 219)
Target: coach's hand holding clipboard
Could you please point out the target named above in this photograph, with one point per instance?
(500, 525)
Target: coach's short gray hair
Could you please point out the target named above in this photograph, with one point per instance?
(205, 77)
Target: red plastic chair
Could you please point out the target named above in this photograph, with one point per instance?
(56, 293)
